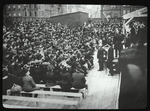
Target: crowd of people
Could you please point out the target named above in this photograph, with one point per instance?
(47, 48)
(57, 54)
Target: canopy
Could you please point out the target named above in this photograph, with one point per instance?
(130, 16)
(137, 13)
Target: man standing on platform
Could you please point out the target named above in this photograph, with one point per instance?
(118, 38)
(110, 59)
(100, 57)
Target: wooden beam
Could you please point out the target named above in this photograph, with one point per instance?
(43, 100)
(136, 13)
(17, 106)
(128, 21)
(56, 93)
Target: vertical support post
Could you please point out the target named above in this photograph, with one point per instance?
(123, 27)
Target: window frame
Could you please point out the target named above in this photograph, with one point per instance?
(30, 14)
(14, 14)
(124, 12)
(25, 14)
(19, 7)
(14, 7)
(19, 14)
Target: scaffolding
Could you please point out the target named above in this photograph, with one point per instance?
(130, 16)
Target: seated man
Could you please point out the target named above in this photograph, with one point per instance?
(50, 78)
(65, 80)
(78, 80)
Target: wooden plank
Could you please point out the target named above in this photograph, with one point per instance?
(11, 102)
(98, 99)
(76, 107)
(52, 106)
(104, 82)
(118, 92)
(56, 93)
(58, 87)
(60, 106)
(52, 101)
(107, 101)
(17, 106)
(68, 106)
(41, 85)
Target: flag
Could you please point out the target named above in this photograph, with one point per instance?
(105, 16)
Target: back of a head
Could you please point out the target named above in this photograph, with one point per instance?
(25, 70)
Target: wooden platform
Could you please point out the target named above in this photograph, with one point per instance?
(103, 92)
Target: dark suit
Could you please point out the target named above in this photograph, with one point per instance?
(117, 43)
(100, 57)
(110, 59)
(65, 83)
(78, 80)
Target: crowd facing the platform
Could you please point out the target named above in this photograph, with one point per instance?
(47, 48)
(42, 52)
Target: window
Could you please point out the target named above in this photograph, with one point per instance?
(35, 13)
(19, 7)
(30, 14)
(124, 12)
(128, 11)
(126, 5)
(13, 7)
(14, 14)
(9, 14)
(9, 8)
(34, 5)
(25, 13)
(19, 14)
(112, 6)
(58, 8)
(30, 6)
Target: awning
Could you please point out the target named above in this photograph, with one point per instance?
(137, 13)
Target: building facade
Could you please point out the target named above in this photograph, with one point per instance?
(41, 10)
